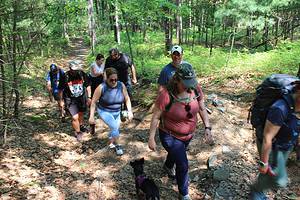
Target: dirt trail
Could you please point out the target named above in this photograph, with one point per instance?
(43, 160)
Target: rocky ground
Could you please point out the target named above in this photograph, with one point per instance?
(43, 160)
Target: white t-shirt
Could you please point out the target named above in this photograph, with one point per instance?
(99, 69)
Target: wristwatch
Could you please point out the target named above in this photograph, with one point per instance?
(262, 164)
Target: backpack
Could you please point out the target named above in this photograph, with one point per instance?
(273, 88)
(60, 71)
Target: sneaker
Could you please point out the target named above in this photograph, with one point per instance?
(112, 146)
(257, 196)
(79, 136)
(84, 129)
(185, 197)
(119, 150)
(171, 172)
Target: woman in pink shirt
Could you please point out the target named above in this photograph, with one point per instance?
(175, 114)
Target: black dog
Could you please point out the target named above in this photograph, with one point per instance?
(142, 182)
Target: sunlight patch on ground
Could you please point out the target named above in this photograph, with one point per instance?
(57, 140)
(35, 102)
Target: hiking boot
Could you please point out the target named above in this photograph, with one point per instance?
(185, 197)
(84, 129)
(79, 136)
(171, 172)
(119, 150)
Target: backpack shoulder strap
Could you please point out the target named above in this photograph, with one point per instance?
(168, 106)
(290, 103)
(197, 94)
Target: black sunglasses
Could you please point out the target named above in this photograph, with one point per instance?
(113, 80)
(187, 108)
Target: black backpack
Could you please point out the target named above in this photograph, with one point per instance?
(277, 86)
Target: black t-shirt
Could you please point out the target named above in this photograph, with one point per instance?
(74, 83)
(121, 65)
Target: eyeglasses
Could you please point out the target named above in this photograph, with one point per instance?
(113, 80)
(187, 108)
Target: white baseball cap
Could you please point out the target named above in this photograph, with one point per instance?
(75, 65)
(176, 48)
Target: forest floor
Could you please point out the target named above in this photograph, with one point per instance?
(43, 160)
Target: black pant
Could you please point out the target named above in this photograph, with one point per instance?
(95, 82)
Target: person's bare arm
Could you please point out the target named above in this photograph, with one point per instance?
(204, 116)
(127, 102)
(96, 96)
(153, 126)
(270, 132)
(133, 73)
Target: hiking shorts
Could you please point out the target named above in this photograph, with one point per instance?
(74, 105)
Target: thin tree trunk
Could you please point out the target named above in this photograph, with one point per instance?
(65, 22)
(91, 25)
(277, 24)
(232, 35)
(266, 33)
(212, 29)
(128, 35)
(2, 81)
(178, 22)
(249, 36)
(116, 26)
(206, 32)
(168, 39)
(14, 60)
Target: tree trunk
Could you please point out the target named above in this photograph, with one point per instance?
(249, 37)
(65, 22)
(128, 35)
(2, 80)
(266, 33)
(168, 38)
(212, 29)
(232, 35)
(92, 30)
(15, 87)
(277, 24)
(206, 31)
(117, 26)
(178, 22)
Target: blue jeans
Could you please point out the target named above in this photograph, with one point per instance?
(177, 155)
(112, 120)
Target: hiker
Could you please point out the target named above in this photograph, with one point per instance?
(169, 70)
(280, 134)
(53, 79)
(96, 73)
(175, 114)
(121, 62)
(76, 92)
(109, 97)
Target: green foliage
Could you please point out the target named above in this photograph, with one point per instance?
(149, 59)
